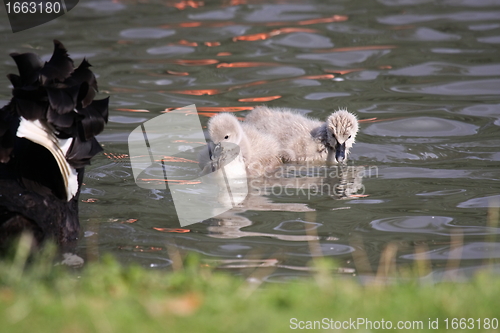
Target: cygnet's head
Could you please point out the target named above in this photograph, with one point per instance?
(225, 127)
(341, 129)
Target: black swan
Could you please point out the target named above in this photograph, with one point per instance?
(47, 137)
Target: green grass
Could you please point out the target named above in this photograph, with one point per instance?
(108, 297)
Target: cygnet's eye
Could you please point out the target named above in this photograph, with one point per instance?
(226, 137)
(349, 136)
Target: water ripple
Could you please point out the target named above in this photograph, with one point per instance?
(490, 40)
(446, 68)
(461, 88)
(288, 12)
(304, 40)
(404, 19)
(421, 127)
(146, 33)
(327, 249)
(483, 27)
(441, 192)
(484, 202)
(297, 226)
(470, 251)
(170, 49)
(103, 6)
(429, 35)
(223, 14)
(414, 172)
(436, 225)
(344, 59)
(414, 224)
(126, 120)
(323, 95)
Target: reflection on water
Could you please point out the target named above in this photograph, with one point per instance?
(295, 182)
(422, 77)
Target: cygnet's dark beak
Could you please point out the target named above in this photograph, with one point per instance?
(222, 154)
(210, 158)
(214, 151)
(340, 152)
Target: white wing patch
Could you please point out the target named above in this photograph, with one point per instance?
(43, 134)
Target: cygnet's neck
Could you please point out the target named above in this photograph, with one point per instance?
(244, 143)
(320, 134)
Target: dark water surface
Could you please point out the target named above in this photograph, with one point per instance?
(423, 76)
